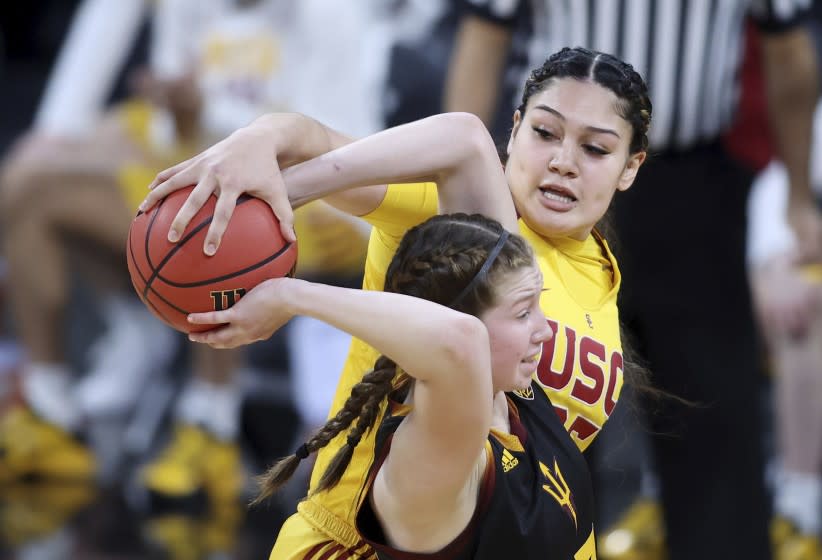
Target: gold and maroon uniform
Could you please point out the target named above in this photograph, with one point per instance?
(535, 499)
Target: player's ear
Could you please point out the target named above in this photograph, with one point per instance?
(517, 121)
(626, 179)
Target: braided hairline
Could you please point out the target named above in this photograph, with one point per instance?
(630, 89)
(406, 274)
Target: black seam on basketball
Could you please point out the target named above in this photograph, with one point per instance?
(255, 266)
(144, 295)
(130, 245)
(164, 300)
(147, 287)
(148, 233)
(131, 252)
(155, 273)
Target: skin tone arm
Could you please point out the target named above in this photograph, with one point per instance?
(792, 84)
(242, 163)
(424, 150)
(447, 352)
(476, 67)
(468, 172)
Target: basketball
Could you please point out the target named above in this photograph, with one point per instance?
(175, 279)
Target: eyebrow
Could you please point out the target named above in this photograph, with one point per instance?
(527, 296)
(561, 117)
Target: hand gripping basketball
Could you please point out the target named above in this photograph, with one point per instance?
(175, 279)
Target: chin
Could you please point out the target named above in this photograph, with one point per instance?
(522, 384)
(548, 225)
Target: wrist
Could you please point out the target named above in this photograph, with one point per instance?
(284, 131)
(293, 294)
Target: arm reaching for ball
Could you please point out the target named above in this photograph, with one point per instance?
(247, 161)
(467, 171)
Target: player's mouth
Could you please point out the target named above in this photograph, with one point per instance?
(558, 198)
(532, 358)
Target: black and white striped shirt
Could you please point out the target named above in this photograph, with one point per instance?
(688, 51)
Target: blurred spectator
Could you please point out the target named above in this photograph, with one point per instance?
(50, 172)
(788, 301)
(78, 163)
(214, 67)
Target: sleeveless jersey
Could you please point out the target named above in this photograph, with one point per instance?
(535, 499)
(580, 368)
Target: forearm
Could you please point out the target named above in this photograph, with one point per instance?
(792, 91)
(424, 338)
(475, 70)
(453, 150)
(297, 137)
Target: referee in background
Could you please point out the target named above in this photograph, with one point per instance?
(681, 228)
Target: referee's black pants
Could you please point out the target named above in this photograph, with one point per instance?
(681, 244)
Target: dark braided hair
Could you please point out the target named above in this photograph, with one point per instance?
(362, 405)
(605, 70)
(436, 260)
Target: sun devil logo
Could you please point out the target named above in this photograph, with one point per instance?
(558, 489)
(527, 393)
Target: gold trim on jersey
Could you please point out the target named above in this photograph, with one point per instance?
(329, 523)
(527, 393)
(509, 441)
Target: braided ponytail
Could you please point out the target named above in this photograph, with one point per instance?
(381, 382)
(362, 405)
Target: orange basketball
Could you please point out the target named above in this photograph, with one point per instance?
(175, 279)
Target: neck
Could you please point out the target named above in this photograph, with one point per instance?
(499, 414)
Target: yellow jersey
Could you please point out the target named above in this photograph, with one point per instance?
(581, 366)
(332, 244)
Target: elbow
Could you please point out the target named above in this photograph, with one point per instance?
(473, 131)
(474, 138)
(467, 346)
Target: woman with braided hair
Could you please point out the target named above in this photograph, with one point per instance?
(579, 136)
(454, 449)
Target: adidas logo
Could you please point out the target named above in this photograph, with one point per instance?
(508, 461)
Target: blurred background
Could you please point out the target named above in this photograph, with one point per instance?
(118, 438)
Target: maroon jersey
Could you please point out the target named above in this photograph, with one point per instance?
(535, 501)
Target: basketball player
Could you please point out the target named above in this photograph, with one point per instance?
(487, 474)
(578, 137)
